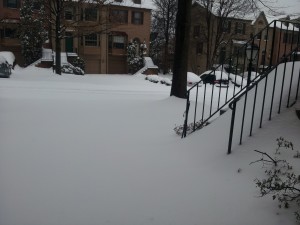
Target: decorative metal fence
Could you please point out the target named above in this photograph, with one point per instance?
(262, 73)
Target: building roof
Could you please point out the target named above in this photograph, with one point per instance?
(282, 22)
(145, 4)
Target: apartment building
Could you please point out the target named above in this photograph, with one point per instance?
(9, 21)
(102, 34)
(99, 34)
(228, 35)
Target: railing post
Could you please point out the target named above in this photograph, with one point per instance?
(233, 108)
(195, 112)
(273, 45)
(186, 115)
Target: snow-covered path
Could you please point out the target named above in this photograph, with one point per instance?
(101, 150)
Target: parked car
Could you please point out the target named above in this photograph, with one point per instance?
(218, 78)
(5, 68)
(192, 79)
(253, 75)
(237, 80)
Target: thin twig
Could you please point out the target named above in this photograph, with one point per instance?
(266, 154)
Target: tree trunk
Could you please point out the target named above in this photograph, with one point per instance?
(166, 57)
(58, 40)
(181, 49)
(166, 50)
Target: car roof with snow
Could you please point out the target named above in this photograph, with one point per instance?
(219, 74)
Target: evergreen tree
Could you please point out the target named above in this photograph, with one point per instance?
(32, 33)
(134, 58)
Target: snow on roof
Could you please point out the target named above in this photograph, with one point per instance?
(145, 4)
(281, 23)
(9, 56)
(239, 42)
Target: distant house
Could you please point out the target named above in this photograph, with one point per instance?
(235, 32)
(281, 37)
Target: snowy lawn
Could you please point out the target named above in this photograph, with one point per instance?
(100, 149)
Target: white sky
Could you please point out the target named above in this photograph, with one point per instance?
(293, 6)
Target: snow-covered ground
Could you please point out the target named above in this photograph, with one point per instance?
(100, 149)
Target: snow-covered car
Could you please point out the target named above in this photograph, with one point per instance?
(253, 75)
(192, 79)
(237, 80)
(219, 78)
(9, 58)
(5, 68)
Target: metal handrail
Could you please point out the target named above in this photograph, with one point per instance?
(276, 30)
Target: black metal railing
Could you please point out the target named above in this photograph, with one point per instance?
(278, 49)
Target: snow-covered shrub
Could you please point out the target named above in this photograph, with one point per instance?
(78, 62)
(190, 127)
(70, 69)
(281, 182)
(166, 81)
(134, 59)
(153, 78)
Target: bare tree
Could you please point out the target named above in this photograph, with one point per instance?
(217, 14)
(183, 20)
(164, 17)
(57, 10)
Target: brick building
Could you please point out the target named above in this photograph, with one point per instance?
(9, 21)
(233, 32)
(98, 34)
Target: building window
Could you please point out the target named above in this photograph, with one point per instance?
(90, 14)
(289, 38)
(37, 5)
(137, 1)
(238, 51)
(137, 17)
(199, 48)
(119, 42)
(69, 14)
(196, 31)
(91, 39)
(240, 28)
(222, 55)
(119, 16)
(11, 3)
(9, 33)
(226, 26)
(258, 36)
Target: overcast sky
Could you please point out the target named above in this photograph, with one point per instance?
(288, 7)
